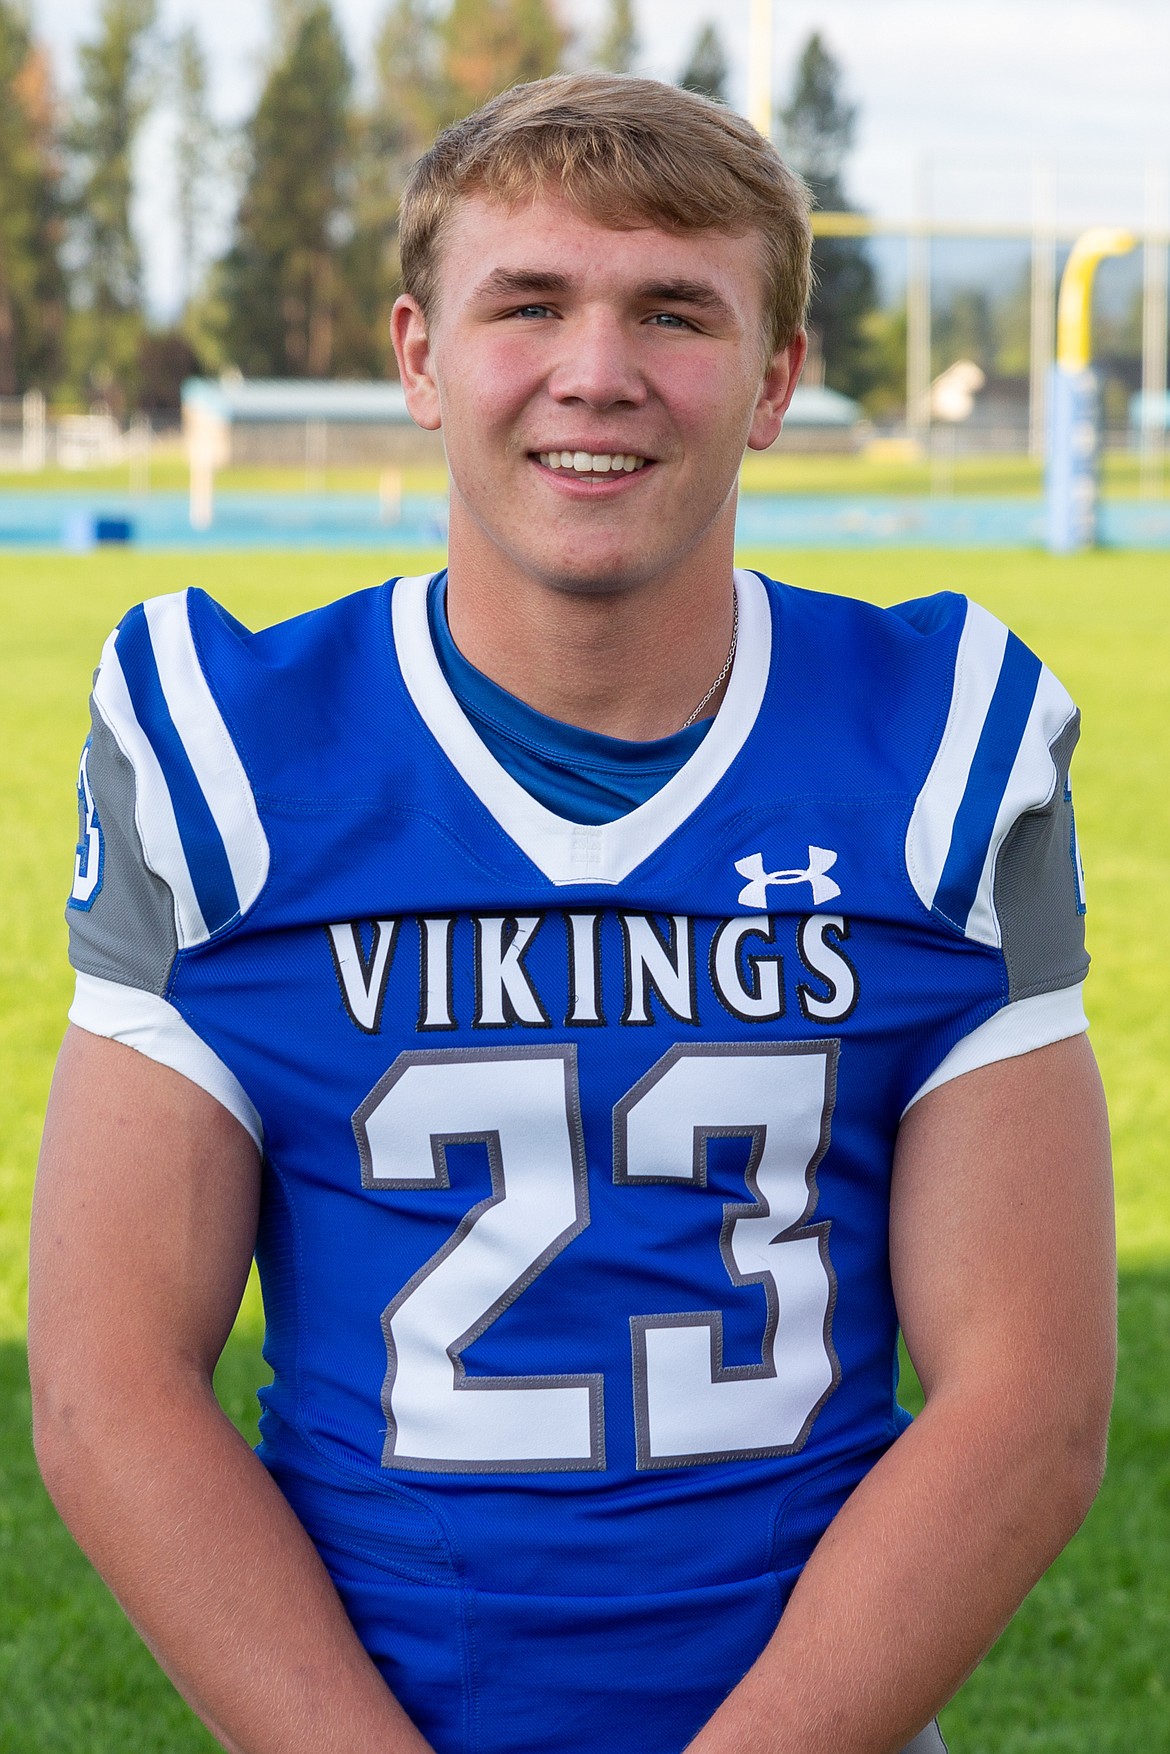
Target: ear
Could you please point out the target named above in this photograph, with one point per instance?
(412, 349)
(780, 380)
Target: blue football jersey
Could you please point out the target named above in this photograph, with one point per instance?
(576, 1138)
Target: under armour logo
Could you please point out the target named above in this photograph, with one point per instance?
(755, 891)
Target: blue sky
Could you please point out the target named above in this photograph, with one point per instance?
(961, 98)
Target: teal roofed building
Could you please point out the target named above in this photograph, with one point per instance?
(303, 422)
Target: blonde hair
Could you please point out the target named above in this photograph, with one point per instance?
(623, 151)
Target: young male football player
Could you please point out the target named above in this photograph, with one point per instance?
(612, 994)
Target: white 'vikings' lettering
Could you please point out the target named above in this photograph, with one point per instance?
(763, 994)
(506, 995)
(363, 978)
(651, 963)
(584, 969)
(829, 962)
(590, 963)
(434, 1009)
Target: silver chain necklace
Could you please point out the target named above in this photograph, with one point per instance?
(723, 674)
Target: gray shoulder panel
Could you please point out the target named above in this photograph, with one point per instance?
(1038, 891)
(927, 1741)
(127, 931)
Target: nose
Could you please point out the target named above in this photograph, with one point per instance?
(597, 364)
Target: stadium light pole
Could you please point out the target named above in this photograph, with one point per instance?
(761, 51)
(1073, 415)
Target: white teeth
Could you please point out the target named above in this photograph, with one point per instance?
(592, 462)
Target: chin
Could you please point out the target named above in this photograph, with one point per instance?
(606, 576)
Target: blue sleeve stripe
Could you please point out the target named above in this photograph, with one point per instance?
(995, 756)
(202, 843)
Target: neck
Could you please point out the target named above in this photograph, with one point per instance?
(630, 663)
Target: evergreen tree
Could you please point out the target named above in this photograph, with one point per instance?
(818, 125)
(430, 69)
(618, 48)
(31, 282)
(194, 147)
(115, 95)
(408, 101)
(488, 45)
(287, 18)
(964, 327)
(706, 71)
(281, 284)
(408, 105)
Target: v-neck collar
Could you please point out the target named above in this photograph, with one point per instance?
(578, 852)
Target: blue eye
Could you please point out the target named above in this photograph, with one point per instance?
(669, 319)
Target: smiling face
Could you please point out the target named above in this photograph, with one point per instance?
(596, 390)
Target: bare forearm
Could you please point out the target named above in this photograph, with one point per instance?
(219, 1577)
(911, 1584)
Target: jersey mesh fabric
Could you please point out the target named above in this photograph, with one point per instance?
(573, 1231)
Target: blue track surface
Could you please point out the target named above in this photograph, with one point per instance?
(50, 520)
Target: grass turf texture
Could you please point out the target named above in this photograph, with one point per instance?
(777, 471)
(1080, 1671)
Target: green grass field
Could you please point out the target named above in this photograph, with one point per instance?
(777, 471)
(1083, 1668)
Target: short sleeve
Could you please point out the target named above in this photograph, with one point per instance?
(171, 849)
(1039, 890)
(991, 848)
(120, 913)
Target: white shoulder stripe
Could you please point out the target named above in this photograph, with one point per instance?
(154, 814)
(977, 666)
(209, 746)
(150, 1026)
(1017, 1029)
(1030, 786)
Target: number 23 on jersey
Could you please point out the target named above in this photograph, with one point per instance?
(522, 1104)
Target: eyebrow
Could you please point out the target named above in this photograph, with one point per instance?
(699, 293)
(504, 282)
(513, 282)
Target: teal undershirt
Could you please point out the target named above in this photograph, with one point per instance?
(581, 775)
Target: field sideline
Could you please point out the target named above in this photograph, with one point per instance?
(1082, 1669)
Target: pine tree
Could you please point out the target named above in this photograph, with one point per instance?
(618, 48)
(407, 109)
(115, 96)
(707, 70)
(818, 125)
(408, 101)
(194, 148)
(281, 284)
(488, 45)
(287, 18)
(31, 281)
